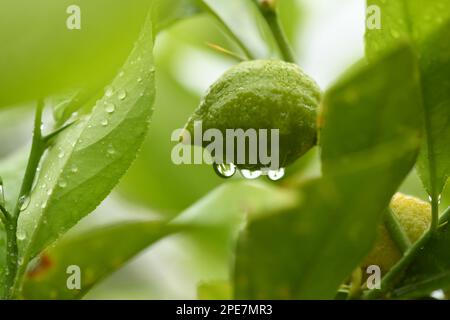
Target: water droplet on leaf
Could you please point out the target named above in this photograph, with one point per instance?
(110, 107)
(111, 149)
(121, 94)
(24, 202)
(104, 122)
(109, 92)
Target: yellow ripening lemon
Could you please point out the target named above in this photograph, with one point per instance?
(414, 215)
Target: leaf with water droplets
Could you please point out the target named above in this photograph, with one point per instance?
(95, 251)
(12, 169)
(88, 158)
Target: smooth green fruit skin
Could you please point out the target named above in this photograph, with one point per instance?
(264, 94)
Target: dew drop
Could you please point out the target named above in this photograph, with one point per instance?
(21, 235)
(121, 94)
(139, 80)
(49, 192)
(24, 202)
(248, 174)
(43, 205)
(74, 169)
(111, 149)
(104, 122)
(61, 154)
(121, 73)
(62, 184)
(225, 170)
(110, 107)
(275, 175)
(109, 92)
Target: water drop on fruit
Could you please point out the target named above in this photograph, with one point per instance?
(248, 174)
(225, 170)
(275, 175)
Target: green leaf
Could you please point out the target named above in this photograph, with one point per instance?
(88, 158)
(427, 25)
(430, 270)
(41, 56)
(96, 252)
(245, 23)
(12, 169)
(370, 140)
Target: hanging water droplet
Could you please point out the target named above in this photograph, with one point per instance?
(248, 174)
(62, 184)
(225, 170)
(109, 92)
(104, 122)
(121, 94)
(24, 202)
(111, 149)
(275, 175)
(110, 107)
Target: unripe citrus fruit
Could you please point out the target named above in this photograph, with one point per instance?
(263, 94)
(414, 215)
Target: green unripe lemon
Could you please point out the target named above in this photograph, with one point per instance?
(263, 94)
(414, 215)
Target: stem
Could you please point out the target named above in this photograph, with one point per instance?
(396, 231)
(37, 150)
(270, 14)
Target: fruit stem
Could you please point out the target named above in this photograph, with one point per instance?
(396, 231)
(12, 251)
(268, 8)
